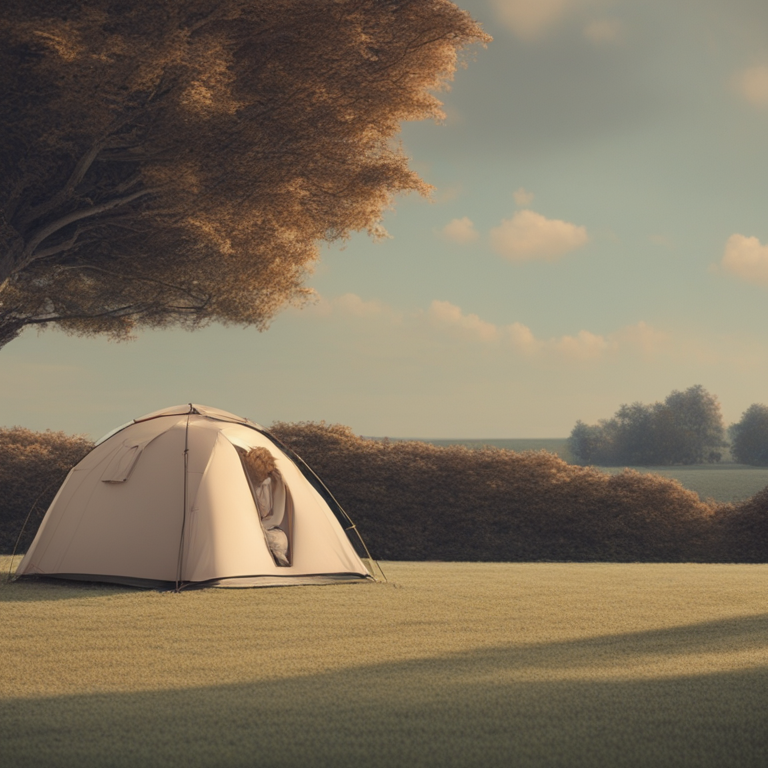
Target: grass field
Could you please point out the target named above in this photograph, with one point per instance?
(721, 482)
(447, 665)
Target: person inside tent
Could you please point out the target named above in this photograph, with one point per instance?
(272, 500)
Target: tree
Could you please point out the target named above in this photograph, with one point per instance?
(687, 428)
(694, 427)
(177, 162)
(589, 444)
(749, 436)
(634, 438)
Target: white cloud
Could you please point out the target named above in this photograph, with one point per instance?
(604, 31)
(529, 235)
(746, 258)
(643, 337)
(444, 315)
(523, 197)
(583, 346)
(445, 321)
(530, 19)
(752, 84)
(352, 304)
(522, 337)
(460, 231)
(346, 306)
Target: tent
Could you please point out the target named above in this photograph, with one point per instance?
(165, 502)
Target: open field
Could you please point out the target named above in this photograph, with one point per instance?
(555, 445)
(447, 665)
(721, 482)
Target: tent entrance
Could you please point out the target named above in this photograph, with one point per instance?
(273, 501)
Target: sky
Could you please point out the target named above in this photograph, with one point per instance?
(597, 235)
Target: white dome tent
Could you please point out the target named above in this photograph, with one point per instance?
(165, 502)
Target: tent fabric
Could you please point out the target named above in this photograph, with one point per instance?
(165, 501)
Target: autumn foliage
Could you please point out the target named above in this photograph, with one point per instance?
(178, 162)
(32, 467)
(415, 501)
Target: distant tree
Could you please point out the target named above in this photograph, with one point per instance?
(177, 161)
(694, 427)
(588, 444)
(634, 435)
(687, 428)
(749, 436)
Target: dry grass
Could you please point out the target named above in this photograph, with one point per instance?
(448, 665)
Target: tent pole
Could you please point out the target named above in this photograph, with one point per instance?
(180, 560)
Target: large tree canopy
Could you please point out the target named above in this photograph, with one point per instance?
(178, 162)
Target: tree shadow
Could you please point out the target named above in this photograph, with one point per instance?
(507, 705)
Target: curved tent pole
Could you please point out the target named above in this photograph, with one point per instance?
(340, 513)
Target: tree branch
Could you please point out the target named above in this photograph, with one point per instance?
(119, 312)
(59, 247)
(70, 218)
(81, 168)
(138, 278)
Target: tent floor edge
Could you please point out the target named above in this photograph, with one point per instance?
(232, 582)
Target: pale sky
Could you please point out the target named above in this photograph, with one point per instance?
(598, 235)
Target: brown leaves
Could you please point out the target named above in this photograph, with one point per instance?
(417, 501)
(32, 467)
(261, 128)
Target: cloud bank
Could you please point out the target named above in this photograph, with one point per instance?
(444, 322)
(584, 346)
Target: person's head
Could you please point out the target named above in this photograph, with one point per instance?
(259, 463)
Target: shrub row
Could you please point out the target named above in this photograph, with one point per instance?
(415, 501)
(32, 467)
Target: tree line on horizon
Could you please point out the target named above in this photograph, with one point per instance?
(687, 428)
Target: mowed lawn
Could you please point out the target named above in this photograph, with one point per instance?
(447, 665)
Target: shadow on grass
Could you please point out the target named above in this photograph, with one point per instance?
(47, 589)
(742, 633)
(503, 706)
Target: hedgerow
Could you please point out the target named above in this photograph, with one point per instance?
(416, 501)
(32, 467)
